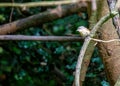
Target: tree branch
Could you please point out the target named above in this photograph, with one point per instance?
(105, 41)
(117, 6)
(116, 20)
(36, 4)
(86, 43)
(117, 82)
(91, 46)
(38, 19)
(41, 38)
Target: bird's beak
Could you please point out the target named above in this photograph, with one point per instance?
(77, 30)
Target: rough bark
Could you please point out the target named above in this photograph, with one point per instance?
(110, 52)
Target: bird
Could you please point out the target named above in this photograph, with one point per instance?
(83, 31)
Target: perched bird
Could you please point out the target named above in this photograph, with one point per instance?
(83, 31)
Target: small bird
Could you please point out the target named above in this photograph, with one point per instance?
(83, 31)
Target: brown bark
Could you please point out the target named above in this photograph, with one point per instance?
(38, 19)
(110, 52)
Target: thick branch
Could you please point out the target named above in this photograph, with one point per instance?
(41, 38)
(110, 52)
(38, 19)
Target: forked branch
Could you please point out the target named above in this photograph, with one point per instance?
(87, 41)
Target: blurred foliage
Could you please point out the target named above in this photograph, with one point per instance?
(36, 63)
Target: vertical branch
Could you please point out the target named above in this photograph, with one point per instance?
(116, 19)
(11, 13)
(91, 46)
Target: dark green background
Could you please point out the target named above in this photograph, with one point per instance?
(20, 61)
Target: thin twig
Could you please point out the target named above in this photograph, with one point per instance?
(50, 38)
(86, 43)
(40, 3)
(105, 41)
(41, 38)
(11, 13)
(113, 5)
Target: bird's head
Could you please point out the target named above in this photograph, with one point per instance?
(83, 31)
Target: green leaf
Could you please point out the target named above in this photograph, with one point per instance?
(6, 68)
(2, 18)
(1, 50)
(59, 50)
(17, 50)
